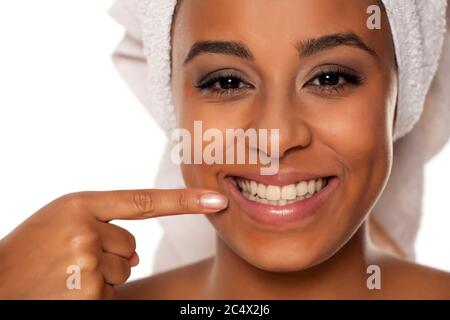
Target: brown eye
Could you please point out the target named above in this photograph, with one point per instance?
(329, 79)
(333, 80)
(229, 83)
(223, 83)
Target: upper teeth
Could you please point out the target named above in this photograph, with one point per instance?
(280, 195)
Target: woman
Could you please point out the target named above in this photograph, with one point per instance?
(313, 70)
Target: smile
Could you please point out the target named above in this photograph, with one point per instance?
(282, 198)
(280, 195)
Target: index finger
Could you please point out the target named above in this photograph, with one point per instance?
(149, 203)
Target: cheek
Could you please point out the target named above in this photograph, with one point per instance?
(359, 128)
(361, 139)
(219, 116)
(361, 133)
(211, 116)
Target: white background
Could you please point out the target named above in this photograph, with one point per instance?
(68, 122)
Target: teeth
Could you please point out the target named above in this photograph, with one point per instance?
(288, 192)
(261, 190)
(273, 193)
(280, 195)
(239, 182)
(311, 186)
(253, 187)
(302, 188)
(319, 184)
(246, 185)
(264, 201)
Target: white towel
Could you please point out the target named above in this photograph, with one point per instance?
(418, 28)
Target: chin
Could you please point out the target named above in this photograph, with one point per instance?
(281, 254)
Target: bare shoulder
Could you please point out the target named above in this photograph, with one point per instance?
(404, 279)
(186, 282)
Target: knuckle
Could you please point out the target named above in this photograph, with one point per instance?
(131, 242)
(84, 235)
(88, 262)
(125, 272)
(143, 201)
(119, 271)
(75, 200)
(121, 239)
(125, 276)
(183, 201)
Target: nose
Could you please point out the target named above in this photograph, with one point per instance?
(278, 110)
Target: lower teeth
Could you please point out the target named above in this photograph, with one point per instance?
(280, 202)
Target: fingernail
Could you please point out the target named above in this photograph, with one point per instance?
(213, 201)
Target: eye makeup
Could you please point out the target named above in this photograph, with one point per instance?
(328, 80)
(333, 79)
(225, 82)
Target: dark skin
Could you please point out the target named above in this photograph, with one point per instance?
(346, 128)
(329, 84)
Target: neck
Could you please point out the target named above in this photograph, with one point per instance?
(341, 276)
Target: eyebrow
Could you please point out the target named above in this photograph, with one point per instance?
(309, 47)
(304, 48)
(221, 47)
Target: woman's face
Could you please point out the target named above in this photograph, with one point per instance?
(315, 71)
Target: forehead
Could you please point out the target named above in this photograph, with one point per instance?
(261, 23)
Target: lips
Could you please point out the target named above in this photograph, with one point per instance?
(280, 199)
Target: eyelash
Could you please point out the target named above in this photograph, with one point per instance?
(350, 79)
(207, 85)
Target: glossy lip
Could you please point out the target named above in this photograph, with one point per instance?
(280, 216)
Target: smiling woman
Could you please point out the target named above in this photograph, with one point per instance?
(308, 83)
(332, 94)
(331, 86)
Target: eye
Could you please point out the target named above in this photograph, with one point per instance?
(328, 79)
(334, 80)
(224, 83)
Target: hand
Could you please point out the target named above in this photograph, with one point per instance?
(72, 236)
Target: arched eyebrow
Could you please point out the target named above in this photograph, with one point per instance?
(233, 48)
(312, 46)
(304, 48)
